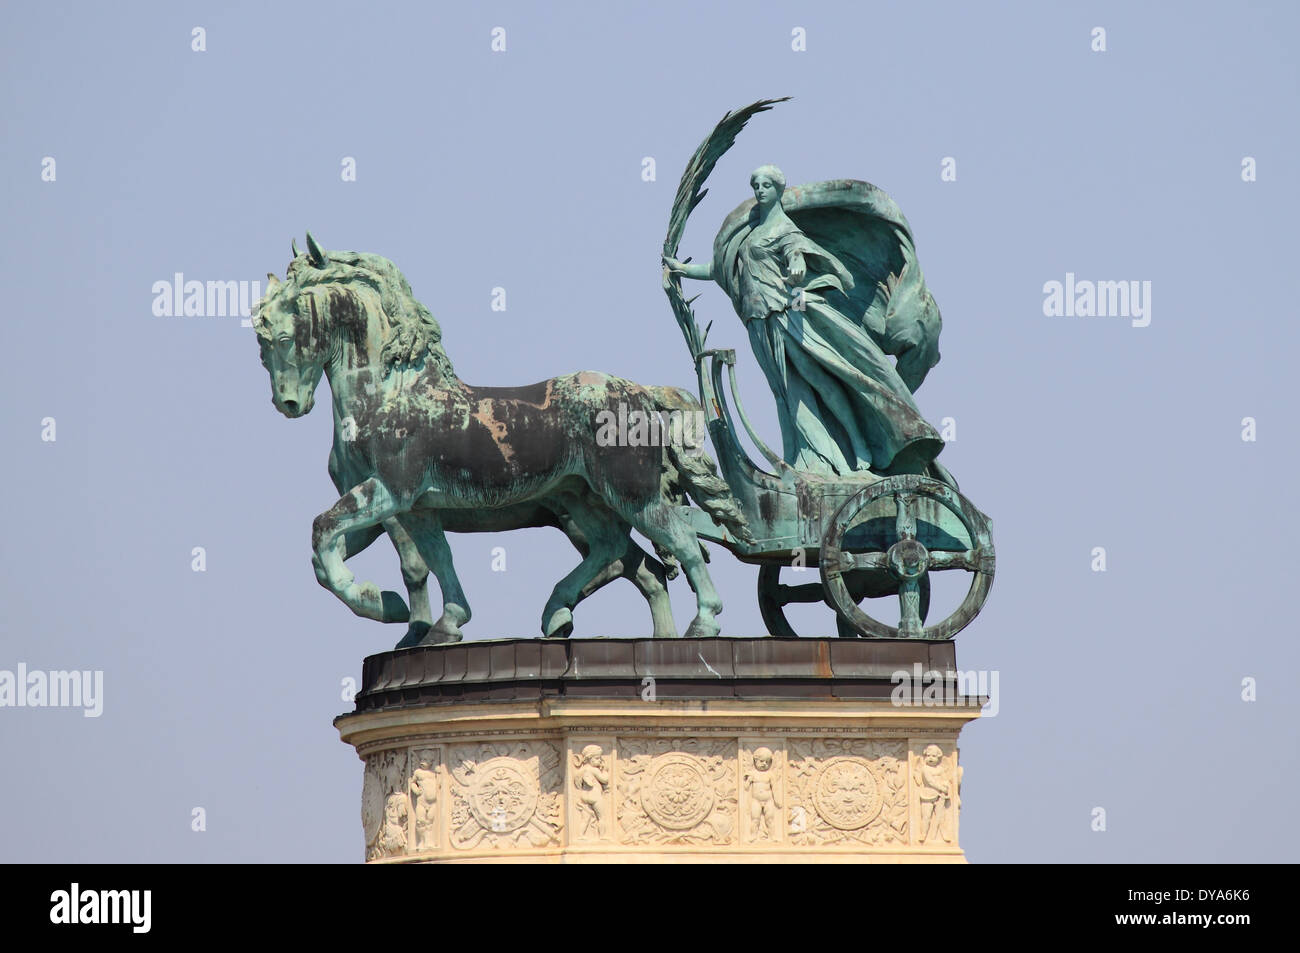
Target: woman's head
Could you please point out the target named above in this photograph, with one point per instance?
(768, 182)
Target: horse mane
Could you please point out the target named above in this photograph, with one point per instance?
(404, 313)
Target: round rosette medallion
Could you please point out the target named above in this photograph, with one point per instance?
(676, 795)
(847, 794)
(504, 797)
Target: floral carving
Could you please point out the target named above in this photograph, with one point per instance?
(677, 791)
(505, 795)
(847, 791)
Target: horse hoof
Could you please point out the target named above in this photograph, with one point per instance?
(441, 634)
(560, 625)
(394, 608)
(700, 629)
(414, 635)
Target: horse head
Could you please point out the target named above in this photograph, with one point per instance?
(292, 333)
(349, 310)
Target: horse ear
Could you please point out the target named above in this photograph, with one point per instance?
(293, 244)
(315, 254)
(271, 282)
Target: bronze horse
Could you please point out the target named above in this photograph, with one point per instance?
(418, 452)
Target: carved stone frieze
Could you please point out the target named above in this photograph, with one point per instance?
(677, 791)
(384, 807)
(722, 792)
(847, 791)
(936, 781)
(505, 795)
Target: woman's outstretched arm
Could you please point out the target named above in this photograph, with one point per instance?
(700, 270)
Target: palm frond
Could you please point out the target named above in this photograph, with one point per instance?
(690, 192)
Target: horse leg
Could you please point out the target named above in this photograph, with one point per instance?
(426, 530)
(352, 544)
(650, 578)
(635, 565)
(601, 535)
(366, 505)
(663, 525)
(415, 573)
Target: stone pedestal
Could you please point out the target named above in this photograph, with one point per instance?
(683, 750)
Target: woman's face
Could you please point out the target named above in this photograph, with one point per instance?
(765, 190)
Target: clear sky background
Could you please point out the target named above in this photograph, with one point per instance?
(522, 170)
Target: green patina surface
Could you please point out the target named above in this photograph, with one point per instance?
(825, 282)
(417, 453)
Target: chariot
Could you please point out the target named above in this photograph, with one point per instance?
(867, 534)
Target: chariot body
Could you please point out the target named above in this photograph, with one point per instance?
(868, 536)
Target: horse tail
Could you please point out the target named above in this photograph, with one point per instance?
(696, 473)
(699, 478)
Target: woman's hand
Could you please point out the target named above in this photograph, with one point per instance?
(798, 271)
(699, 270)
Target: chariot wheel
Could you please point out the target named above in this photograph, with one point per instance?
(774, 596)
(907, 560)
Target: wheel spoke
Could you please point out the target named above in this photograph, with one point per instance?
(909, 600)
(904, 565)
(968, 560)
(905, 520)
(851, 561)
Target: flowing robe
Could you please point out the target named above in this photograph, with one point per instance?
(841, 402)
